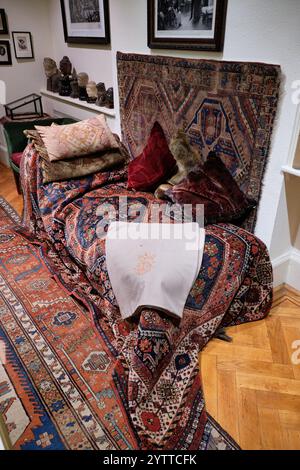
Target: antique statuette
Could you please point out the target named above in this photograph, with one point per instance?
(83, 80)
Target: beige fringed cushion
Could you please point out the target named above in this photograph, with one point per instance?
(77, 140)
(69, 169)
(77, 167)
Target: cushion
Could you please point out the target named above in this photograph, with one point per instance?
(73, 168)
(213, 186)
(82, 166)
(16, 158)
(154, 165)
(77, 140)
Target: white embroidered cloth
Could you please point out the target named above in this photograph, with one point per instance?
(153, 265)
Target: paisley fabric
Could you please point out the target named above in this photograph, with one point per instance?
(156, 372)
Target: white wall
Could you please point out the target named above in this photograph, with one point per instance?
(26, 76)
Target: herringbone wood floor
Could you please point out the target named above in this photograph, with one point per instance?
(251, 386)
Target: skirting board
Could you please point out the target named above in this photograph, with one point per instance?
(287, 269)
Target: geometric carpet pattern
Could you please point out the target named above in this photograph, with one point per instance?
(251, 386)
(225, 107)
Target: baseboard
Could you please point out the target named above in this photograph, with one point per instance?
(287, 269)
(281, 268)
(293, 278)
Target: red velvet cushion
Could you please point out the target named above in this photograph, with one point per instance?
(16, 158)
(154, 165)
(214, 187)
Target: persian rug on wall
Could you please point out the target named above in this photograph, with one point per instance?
(61, 386)
(226, 107)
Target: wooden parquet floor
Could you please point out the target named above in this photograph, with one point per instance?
(251, 386)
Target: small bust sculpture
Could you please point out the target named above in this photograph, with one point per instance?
(101, 91)
(65, 66)
(92, 92)
(83, 80)
(74, 85)
(52, 74)
(109, 98)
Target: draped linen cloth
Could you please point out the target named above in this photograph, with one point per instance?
(153, 265)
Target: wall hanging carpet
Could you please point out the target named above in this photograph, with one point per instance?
(226, 107)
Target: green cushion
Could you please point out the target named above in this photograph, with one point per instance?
(16, 140)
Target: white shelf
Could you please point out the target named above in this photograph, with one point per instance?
(78, 103)
(290, 170)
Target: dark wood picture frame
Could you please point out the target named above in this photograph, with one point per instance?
(198, 44)
(4, 29)
(9, 59)
(31, 45)
(85, 39)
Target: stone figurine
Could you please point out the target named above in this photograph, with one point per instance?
(109, 98)
(92, 92)
(65, 68)
(52, 74)
(74, 85)
(83, 80)
(101, 91)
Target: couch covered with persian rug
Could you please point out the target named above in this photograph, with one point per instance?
(193, 132)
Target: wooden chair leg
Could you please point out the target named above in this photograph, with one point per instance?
(18, 182)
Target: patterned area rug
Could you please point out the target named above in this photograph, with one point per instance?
(57, 387)
(228, 107)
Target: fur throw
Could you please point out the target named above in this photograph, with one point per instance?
(187, 159)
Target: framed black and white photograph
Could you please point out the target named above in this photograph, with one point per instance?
(3, 22)
(23, 45)
(5, 54)
(86, 21)
(187, 24)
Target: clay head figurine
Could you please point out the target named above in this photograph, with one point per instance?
(65, 66)
(91, 90)
(74, 85)
(52, 74)
(109, 98)
(101, 90)
(83, 80)
(50, 67)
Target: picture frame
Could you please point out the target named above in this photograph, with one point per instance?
(5, 53)
(23, 44)
(3, 22)
(187, 24)
(83, 25)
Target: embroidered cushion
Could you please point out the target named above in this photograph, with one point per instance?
(73, 168)
(213, 186)
(69, 169)
(79, 139)
(154, 165)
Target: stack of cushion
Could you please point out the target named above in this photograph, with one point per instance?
(77, 150)
(208, 184)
